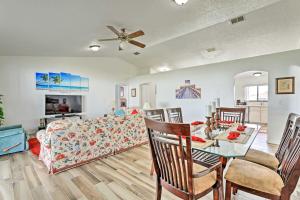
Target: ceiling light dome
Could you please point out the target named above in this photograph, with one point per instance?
(95, 47)
(257, 74)
(180, 2)
(164, 69)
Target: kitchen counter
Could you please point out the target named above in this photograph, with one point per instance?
(256, 112)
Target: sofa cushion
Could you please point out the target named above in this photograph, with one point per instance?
(120, 113)
(262, 158)
(205, 182)
(254, 176)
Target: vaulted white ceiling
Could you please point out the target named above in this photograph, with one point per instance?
(175, 36)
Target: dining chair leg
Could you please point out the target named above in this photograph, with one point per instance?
(221, 192)
(158, 189)
(285, 197)
(216, 194)
(228, 191)
(234, 190)
(152, 169)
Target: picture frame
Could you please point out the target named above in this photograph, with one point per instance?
(121, 91)
(133, 92)
(285, 85)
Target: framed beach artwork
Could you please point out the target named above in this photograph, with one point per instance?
(188, 91)
(61, 81)
(285, 85)
(42, 81)
(54, 81)
(84, 83)
(65, 81)
(75, 82)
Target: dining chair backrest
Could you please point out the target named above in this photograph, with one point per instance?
(287, 136)
(155, 114)
(232, 114)
(174, 115)
(172, 155)
(290, 168)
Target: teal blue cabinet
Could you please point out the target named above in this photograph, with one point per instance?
(12, 139)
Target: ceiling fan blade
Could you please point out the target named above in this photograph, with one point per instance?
(136, 34)
(111, 39)
(114, 30)
(136, 43)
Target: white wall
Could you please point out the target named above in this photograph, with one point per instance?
(25, 105)
(217, 80)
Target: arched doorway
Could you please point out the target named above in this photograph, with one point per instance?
(251, 90)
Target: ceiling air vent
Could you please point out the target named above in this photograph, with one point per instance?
(237, 20)
(136, 53)
(211, 50)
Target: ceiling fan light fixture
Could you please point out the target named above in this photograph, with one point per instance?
(122, 45)
(180, 2)
(94, 47)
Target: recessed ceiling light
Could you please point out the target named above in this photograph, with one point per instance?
(257, 74)
(164, 69)
(95, 47)
(180, 2)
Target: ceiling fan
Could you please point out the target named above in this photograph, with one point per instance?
(124, 37)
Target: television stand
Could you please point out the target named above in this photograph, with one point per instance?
(63, 116)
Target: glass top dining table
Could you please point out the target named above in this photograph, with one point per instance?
(226, 148)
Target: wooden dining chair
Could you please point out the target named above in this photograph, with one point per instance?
(155, 114)
(269, 160)
(158, 115)
(232, 114)
(174, 115)
(262, 181)
(174, 167)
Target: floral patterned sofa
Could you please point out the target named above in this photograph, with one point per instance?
(72, 142)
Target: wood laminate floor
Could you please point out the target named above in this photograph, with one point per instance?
(121, 177)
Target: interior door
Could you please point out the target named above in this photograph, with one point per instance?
(148, 94)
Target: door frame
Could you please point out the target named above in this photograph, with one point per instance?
(140, 88)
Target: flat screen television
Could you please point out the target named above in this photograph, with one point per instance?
(63, 104)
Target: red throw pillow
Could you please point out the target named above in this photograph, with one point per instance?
(34, 146)
(134, 112)
(36, 150)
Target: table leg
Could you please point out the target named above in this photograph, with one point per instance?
(223, 160)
